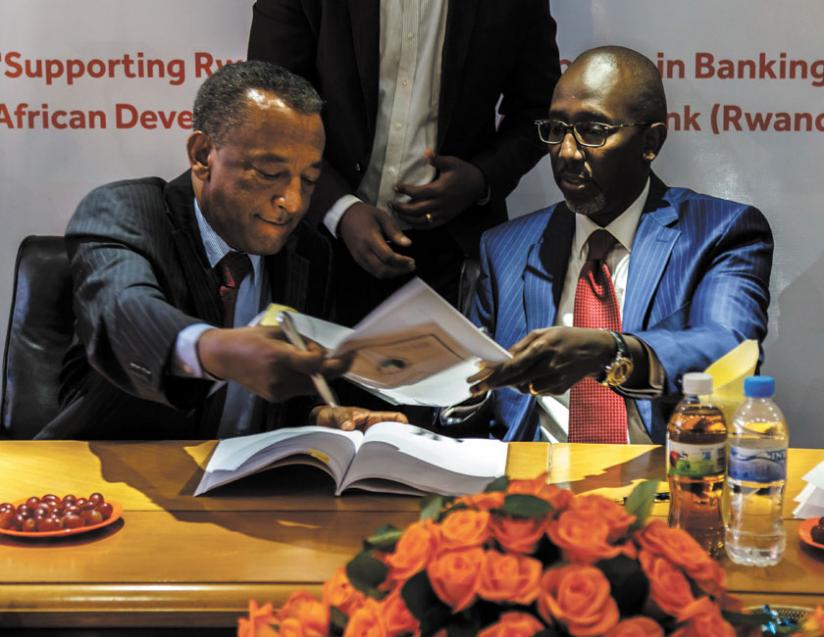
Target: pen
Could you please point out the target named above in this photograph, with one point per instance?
(294, 337)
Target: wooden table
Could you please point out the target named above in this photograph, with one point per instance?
(176, 560)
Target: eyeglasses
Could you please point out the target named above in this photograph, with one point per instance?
(588, 134)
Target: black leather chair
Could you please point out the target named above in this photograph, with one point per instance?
(41, 324)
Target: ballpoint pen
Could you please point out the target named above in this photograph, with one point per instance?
(294, 337)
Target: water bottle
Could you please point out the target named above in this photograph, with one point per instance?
(696, 459)
(757, 473)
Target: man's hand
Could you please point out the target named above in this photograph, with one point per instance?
(366, 231)
(551, 360)
(259, 359)
(349, 418)
(459, 184)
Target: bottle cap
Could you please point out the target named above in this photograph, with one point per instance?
(697, 384)
(759, 386)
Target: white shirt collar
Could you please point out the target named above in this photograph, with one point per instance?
(215, 246)
(623, 227)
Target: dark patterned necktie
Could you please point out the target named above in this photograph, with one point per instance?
(596, 413)
(232, 269)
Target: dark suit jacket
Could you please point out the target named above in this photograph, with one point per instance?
(491, 48)
(140, 276)
(698, 285)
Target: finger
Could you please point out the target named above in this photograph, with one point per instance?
(426, 191)
(310, 362)
(444, 162)
(391, 231)
(525, 342)
(522, 373)
(374, 417)
(334, 367)
(417, 208)
(483, 373)
(393, 263)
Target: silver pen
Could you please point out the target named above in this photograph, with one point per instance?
(294, 337)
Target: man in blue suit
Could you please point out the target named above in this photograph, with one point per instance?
(606, 299)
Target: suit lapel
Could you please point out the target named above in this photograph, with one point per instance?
(460, 22)
(651, 249)
(203, 282)
(365, 19)
(546, 268)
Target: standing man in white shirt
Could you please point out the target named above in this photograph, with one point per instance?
(416, 165)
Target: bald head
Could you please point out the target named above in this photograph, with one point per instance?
(634, 75)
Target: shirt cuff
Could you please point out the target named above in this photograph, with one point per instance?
(656, 381)
(333, 216)
(186, 362)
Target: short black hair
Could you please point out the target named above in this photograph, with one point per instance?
(220, 101)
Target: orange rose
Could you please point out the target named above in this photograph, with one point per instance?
(258, 623)
(669, 588)
(582, 537)
(339, 593)
(513, 625)
(290, 627)
(813, 624)
(483, 501)
(579, 597)
(681, 549)
(367, 621)
(456, 575)
(396, 615)
(638, 626)
(310, 613)
(703, 619)
(414, 549)
(560, 499)
(519, 535)
(613, 514)
(510, 577)
(464, 528)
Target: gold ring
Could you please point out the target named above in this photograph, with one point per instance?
(428, 217)
(533, 391)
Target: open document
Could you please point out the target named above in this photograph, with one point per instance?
(413, 349)
(389, 458)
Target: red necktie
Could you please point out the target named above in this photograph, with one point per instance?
(596, 413)
(232, 269)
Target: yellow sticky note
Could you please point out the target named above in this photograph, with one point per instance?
(728, 374)
(270, 316)
(319, 455)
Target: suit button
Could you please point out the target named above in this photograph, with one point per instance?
(357, 167)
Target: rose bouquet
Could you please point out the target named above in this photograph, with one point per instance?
(521, 558)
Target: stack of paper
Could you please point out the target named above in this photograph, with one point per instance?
(811, 499)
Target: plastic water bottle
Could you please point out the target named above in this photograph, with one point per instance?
(696, 455)
(757, 473)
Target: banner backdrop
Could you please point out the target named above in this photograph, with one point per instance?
(93, 91)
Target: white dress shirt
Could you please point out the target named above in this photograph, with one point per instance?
(554, 417)
(239, 404)
(411, 50)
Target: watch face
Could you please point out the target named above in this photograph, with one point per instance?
(619, 372)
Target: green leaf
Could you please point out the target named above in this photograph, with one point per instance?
(384, 538)
(640, 501)
(628, 583)
(338, 618)
(424, 604)
(366, 573)
(431, 506)
(520, 505)
(498, 484)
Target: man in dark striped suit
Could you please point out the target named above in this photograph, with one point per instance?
(627, 282)
(168, 275)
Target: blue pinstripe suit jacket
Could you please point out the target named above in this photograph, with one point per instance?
(698, 285)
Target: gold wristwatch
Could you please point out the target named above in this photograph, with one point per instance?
(619, 370)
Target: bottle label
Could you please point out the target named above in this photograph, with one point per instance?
(695, 461)
(758, 465)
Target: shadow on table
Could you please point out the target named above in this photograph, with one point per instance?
(649, 464)
(167, 474)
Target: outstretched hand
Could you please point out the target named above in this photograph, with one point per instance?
(549, 361)
(264, 363)
(458, 185)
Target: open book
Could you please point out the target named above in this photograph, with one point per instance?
(390, 458)
(413, 349)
